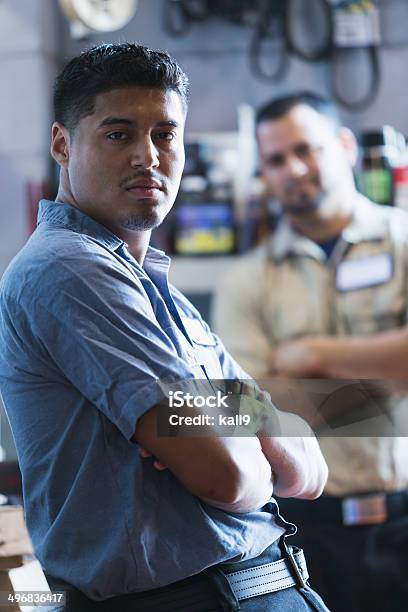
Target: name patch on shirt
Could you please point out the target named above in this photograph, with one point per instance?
(197, 332)
(364, 272)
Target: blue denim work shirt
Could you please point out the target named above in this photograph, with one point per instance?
(86, 332)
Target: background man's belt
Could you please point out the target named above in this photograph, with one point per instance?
(367, 509)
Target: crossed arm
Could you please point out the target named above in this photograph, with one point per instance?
(237, 474)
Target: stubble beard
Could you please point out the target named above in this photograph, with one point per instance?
(139, 223)
(305, 205)
(145, 220)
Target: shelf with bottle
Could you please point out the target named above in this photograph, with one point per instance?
(382, 174)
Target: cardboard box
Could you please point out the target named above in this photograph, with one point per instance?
(14, 538)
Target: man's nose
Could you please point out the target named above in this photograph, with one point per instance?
(145, 154)
(296, 167)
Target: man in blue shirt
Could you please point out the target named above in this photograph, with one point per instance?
(91, 332)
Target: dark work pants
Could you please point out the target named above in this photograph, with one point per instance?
(354, 568)
(209, 591)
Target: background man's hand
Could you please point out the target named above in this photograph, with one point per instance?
(300, 358)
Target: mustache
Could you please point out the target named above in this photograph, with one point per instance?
(314, 180)
(153, 176)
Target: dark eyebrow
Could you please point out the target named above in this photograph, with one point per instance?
(115, 121)
(169, 123)
(274, 158)
(128, 122)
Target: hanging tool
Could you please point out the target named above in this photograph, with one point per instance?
(240, 12)
(356, 27)
(298, 12)
(269, 29)
(180, 14)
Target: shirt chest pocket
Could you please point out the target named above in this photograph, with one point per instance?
(371, 294)
(204, 348)
(371, 310)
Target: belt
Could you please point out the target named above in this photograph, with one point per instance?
(270, 577)
(361, 509)
(250, 582)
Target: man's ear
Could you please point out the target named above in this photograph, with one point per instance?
(60, 144)
(350, 145)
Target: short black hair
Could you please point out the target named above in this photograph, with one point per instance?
(105, 67)
(277, 108)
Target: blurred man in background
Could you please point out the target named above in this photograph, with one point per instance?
(326, 296)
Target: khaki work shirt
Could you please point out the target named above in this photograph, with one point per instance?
(288, 288)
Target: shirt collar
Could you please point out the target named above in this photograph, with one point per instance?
(285, 241)
(65, 215)
(368, 223)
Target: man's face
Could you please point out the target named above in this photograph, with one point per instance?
(303, 161)
(126, 159)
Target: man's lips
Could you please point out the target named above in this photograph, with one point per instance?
(145, 189)
(145, 184)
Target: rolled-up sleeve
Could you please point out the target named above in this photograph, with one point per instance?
(93, 325)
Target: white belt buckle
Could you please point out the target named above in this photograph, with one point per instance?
(367, 510)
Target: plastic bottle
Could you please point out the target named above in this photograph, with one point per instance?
(401, 175)
(380, 156)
